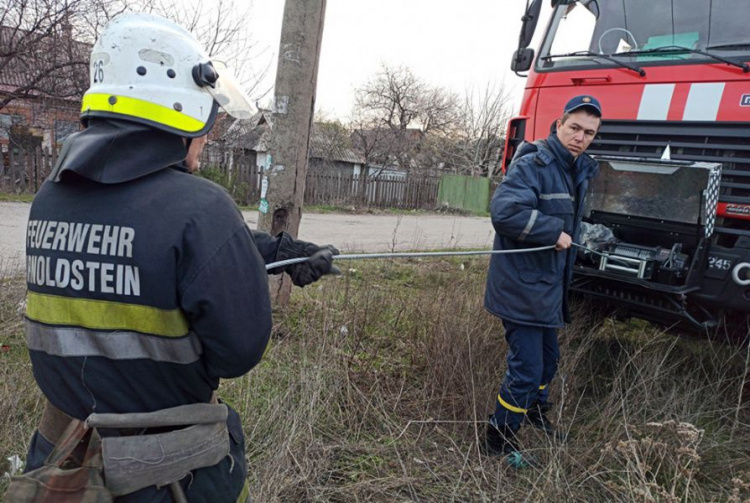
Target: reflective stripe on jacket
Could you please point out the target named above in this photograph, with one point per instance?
(542, 196)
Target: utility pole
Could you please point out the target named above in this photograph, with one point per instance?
(283, 190)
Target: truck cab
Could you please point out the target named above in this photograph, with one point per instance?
(674, 83)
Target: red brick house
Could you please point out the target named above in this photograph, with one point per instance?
(42, 80)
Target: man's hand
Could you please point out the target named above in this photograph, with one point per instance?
(320, 263)
(304, 273)
(563, 242)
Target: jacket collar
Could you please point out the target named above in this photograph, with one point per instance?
(584, 167)
(115, 151)
(563, 156)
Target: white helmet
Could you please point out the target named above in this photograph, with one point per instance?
(147, 69)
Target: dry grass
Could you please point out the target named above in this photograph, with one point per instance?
(20, 399)
(378, 382)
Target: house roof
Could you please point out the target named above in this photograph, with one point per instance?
(324, 148)
(251, 134)
(255, 134)
(52, 65)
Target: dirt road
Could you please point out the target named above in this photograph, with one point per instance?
(350, 233)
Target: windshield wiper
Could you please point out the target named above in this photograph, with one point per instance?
(637, 69)
(677, 49)
(729, 47)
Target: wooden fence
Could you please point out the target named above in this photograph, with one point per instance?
(236, 171)
(24, 171)
(386, 191)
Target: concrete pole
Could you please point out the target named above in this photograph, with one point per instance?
(294, 104)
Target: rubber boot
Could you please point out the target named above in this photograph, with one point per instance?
(537, 417)
(501, 442)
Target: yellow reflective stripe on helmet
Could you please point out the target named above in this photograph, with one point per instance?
(542, 387)
(141, 109)
(510, 407)
(104, 315)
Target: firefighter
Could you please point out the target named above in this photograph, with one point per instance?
(145, 285)
(540, 202)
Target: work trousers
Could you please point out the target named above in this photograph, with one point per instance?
(533, 355)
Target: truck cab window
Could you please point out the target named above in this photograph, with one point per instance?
(574, 31)
(640, 26)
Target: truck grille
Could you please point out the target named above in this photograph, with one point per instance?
(724, 142)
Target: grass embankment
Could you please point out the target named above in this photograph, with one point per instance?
(16, 198)
(378, 382)
(318, 209)
(351, 210)
(393, 211)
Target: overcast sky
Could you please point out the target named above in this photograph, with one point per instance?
(456, 44)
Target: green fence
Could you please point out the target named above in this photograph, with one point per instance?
(465, 192)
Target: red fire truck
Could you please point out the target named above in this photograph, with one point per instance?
(674, 85)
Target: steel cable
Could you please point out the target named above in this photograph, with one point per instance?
(359, 256)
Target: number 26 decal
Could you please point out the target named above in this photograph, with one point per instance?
(98, 71)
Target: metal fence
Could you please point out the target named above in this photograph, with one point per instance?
(468, 193)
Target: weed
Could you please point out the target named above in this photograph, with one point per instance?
(378, 383)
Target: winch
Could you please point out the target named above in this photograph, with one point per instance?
(645, 262)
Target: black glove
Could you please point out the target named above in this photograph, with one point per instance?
(304, 273)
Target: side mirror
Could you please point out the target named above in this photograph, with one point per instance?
(592, 6)
(522, 59)
(529, 21)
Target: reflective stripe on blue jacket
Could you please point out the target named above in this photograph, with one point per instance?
(542, 196)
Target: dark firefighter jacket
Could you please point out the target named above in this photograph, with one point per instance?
(145, 286)
(542, 195)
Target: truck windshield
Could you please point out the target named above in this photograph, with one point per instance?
(716, 26)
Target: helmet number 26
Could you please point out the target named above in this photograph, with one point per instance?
(98, 71)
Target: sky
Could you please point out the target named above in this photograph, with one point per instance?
(455, 44)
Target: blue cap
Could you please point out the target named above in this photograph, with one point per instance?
(584, 101)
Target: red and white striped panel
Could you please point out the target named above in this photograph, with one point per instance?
(687, 102)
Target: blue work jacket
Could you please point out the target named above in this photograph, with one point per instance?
(542, 196)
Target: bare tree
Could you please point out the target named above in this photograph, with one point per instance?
(45, 44)
(96, 15)
(398, 100)
(223, 29)
(396, 116)
(476, 143)
(329, 141)
(378, 146)
(38, 54)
